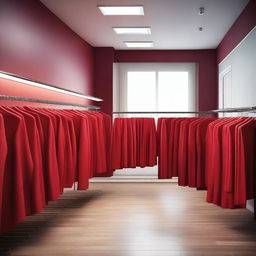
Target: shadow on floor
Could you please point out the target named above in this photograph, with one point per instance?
(37, 224)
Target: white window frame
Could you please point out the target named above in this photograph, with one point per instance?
(123, 68)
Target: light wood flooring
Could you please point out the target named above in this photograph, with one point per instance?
(133, 219)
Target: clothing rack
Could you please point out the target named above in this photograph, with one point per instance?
(164, 112)
(17, 98)
(223, 110)
(235, 110)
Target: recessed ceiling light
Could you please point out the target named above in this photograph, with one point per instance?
(201, 11)
(122, 10)
(135, 30)
(139, 44)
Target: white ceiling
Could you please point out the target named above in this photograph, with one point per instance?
(174, 23)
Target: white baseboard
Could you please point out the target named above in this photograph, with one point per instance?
(133, 179)
(250, 205)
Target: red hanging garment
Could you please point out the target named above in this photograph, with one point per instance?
(158, 132)
(131, 129)
(201, 130)
(183, 152)
(162, 150)
(140, 150)
(245, 165)
(134, 143)
(116, 154)
(69, 165)
(166, 146)
(37, 186)
(146, 136)
(101, 147)
(3, 147)
(215, 173)
(151, 142)
(50, 161)
(84, 150)
(228, 155)
(192, 152)
(176, 138)
(107, 138)
(170, 145)
(60, 135)
(18, 170)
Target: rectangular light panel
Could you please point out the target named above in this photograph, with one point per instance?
(139, 44)
(122, 10)
(133, 30)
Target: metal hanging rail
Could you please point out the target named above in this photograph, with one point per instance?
(224, 110)
(164, 112)
(235, 110)
(16, 98)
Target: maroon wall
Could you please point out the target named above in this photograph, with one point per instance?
(207, 68)
(242, 26)
(35, 44)
(103, 77)
(207, 71)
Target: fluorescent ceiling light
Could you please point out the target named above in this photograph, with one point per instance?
(121, 10)
(134, 30)
(139, 44)
(45, 86)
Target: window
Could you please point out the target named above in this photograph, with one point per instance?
(157, 87)
(141, 91)
(173, 91)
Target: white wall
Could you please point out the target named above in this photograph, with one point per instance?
(243, 70)
(242, 62)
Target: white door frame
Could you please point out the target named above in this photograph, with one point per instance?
(221, 85)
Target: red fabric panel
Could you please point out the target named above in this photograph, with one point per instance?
(18, 170)
(134, 143)
(3, 146)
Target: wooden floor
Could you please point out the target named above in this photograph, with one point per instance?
(133, 219)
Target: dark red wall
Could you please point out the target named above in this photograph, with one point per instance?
(242, 26)
(35, 44)
(207, 68)
(103, 77)
(207, 71)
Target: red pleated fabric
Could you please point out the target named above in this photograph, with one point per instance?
(183, 152)
(134, 143)
(50, 160)
(162, 149)
(60, 134)
(116, 154)
(108, 138)
(67, 154)
(214, 177)
(37, 186)
(245, 163)
(230, 162)
(84, 164)
(201, 130)
(44, 151)
(192, 153)
(18, 171)
(3, 155)
(176, 138)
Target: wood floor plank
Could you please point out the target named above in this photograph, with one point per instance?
(133, 219)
